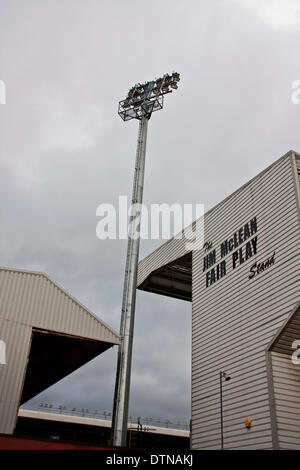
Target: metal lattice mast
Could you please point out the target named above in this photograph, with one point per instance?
(141, 101)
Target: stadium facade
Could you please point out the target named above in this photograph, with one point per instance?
(244, 285)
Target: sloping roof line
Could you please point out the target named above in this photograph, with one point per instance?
(287, 155)
(40, 273)
(284, 329)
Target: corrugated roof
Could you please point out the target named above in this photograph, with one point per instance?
(36, 290)
(48, 334)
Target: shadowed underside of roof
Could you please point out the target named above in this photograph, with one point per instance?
(53, 356)
(173, 279)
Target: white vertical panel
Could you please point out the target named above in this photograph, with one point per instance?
(286, 381)
(235, 311)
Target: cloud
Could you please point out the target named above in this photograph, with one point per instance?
(282, 15)
(67, 130)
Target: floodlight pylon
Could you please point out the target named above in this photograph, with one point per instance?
(140, 103)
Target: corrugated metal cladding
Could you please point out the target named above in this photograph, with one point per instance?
(235, 318)
(237, 307)
(284, 360)
(32, 300)
(168, 252)
(286, 377)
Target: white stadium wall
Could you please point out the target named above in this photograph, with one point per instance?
(236, 316)
(245, 284)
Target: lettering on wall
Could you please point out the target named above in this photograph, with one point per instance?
(207, 246)
(242, 246)
(258, 268)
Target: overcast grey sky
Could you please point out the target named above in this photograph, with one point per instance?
(65, 150)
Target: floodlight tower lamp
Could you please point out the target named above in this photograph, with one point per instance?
(141, 101)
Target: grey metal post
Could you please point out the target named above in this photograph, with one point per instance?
(141, 101)
(121, 398)
(226, 377)
(221, 409)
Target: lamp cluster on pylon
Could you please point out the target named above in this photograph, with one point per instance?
(147, 97)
